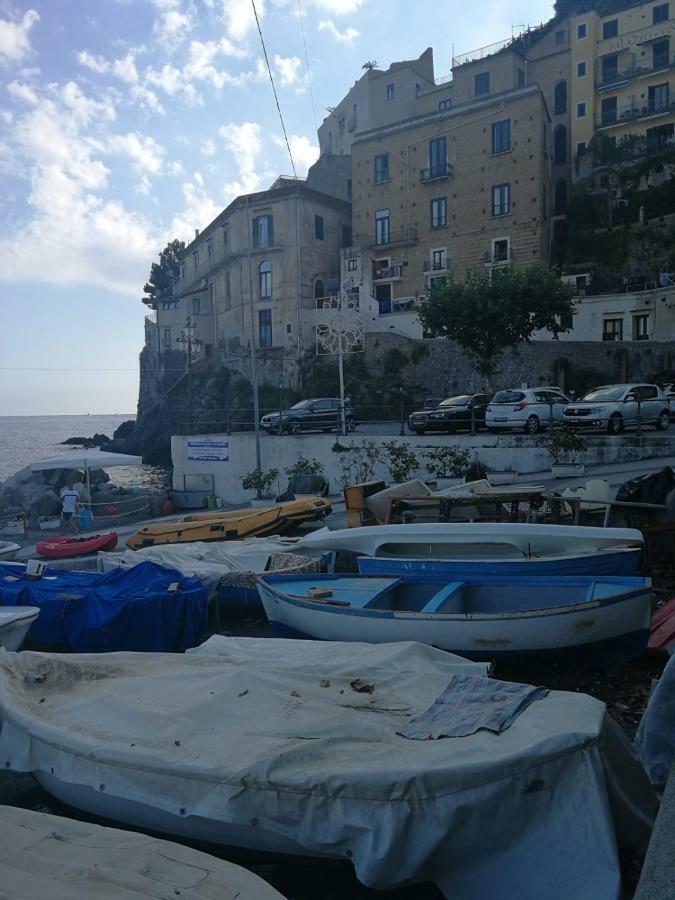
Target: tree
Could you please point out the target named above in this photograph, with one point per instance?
(164, 273)
(370, 64)
(490, 312)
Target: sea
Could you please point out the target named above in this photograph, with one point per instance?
(24, 439)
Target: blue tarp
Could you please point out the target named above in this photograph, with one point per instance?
(126, 609)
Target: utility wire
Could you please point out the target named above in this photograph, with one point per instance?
(274, 90)
(309, 71)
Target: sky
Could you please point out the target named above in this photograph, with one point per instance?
(127, 123)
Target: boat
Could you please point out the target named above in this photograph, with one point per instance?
(449, 549)
(293, 511)
(248, 523)
(44, 856)
(479, 617)
(14, 624)
(149, 608)
(662, 632)
(8, 550)
(67, 546)
(297, 747)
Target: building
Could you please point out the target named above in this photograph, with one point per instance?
(623, 76)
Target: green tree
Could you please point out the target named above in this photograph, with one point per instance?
(490, 312)
(164, 273)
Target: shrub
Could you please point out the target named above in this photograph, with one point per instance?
(259, 481)
(357, 462)
(563, 444)
(444, 462)
(401, 461)
(302, 467)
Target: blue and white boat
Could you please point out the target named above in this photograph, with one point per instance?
(483, 617)
(485, 548)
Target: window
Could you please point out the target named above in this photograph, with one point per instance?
(196, 303)
(226, 239)
(182, 271)
(438, 157)
(265, 272)
(661, 54)
(349, 189)
(581, 69)
(439, 259)
(581, 148)
(482, 84)
(501, 136)
(560, 207)
(195, 261)
(560, 98)
(660, 13)
(390, 91)
(318, 227)
(383, 297)
(319, 290)
(640, 327)
(381, 168)
(608, 111)
(610, 29)
(382, 226)
(520, 78)
(658, 97)
(581, 110)
(265, 327)
(346, 235)
(560, 38)
(560, 145)
(500, 250)
(263, 231)
(170, 304)
(439, 212)
(167, 337)
(610, 67)
(228, 292)
(612, 330)
(501, 199)
(209, 251)
(581, 31)
(444, 104)
(352, 264)
(418, 89)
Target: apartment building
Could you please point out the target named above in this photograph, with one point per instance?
(623, 80)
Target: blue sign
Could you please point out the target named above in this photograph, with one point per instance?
(208, 451)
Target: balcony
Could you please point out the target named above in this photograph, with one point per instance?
(613, 117)
(498, 255)
(620, 75)
(435, 173)
(430, 266)
(395, 239)
(387, 273)
(399, 305)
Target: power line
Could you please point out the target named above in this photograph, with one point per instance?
(274, 90)
(309, 71)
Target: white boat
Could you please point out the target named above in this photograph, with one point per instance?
(296, 746)
(45, 857)
(480, 617)
(14, 624)
(8, 550)
(492, 548)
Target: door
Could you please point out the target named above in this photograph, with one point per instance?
(559, 403)
(323, 414)
(650, 404)
(480, 405)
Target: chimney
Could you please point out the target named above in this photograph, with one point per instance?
(196, 233)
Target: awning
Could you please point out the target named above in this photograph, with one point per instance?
(86, 459)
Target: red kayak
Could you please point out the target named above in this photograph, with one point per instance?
(63, 547)
(662, 631)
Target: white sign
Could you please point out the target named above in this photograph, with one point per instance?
(208, 451)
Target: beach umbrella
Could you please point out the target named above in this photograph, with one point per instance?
(86, 460)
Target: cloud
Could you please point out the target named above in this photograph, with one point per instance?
(304, 152)
(173, 82)
(14, 37)
(22, 92)
(144, 151)
(199, 66)
(288, 68)
(338, 7)
(82, 108)
(96, 63)
(175, 167)
(208, 147)
(172, 26)
(239, 18)
(348, 36)
(199, 210)
(243, 142)
(124, 68)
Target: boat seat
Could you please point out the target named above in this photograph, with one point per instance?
(438, 600)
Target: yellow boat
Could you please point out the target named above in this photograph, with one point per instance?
(248, 523)
(293, 511)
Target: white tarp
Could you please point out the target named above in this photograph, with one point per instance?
(45, 857)
(272, 737)
(655, 738)
(86, 459)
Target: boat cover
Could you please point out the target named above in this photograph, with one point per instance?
(299, 739)
(655, 738)
(126, 609)
(50, 856)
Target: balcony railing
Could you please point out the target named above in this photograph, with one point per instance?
(498, 256)
(395, 238)
(433, 266)
(399, 305)
(612, 117)
(433, 173)
(610, 78)
(387, 273)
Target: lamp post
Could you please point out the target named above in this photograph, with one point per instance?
(192, 344)
(340, 332)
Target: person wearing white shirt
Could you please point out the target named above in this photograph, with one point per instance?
(69, 500)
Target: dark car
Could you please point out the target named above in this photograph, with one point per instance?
(453, 414)
(309, 415)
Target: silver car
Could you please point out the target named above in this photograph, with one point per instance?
(613, 407)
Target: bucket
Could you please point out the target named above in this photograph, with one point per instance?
(211, 502)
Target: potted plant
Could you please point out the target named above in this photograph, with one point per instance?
(564, 446)
(260, 482)
(307, 476)
(357, 462)
(446, 462)
(400, 460)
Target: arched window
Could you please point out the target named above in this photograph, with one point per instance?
(560, 98)
(560, 145)
(265, 280)
(319, 290)
(560, 197)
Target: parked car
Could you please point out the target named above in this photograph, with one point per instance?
(528, 410)
(612, 407)
(322, 414)
(669, 393)
(451, 415)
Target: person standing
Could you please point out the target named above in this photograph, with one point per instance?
(69, 500)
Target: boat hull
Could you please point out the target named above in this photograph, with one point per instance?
(615, 630)
(14, 625)
(8, 550)
(69, 547)
(606, 562)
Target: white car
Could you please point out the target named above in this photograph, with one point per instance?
(528, 410)
(612, 407)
